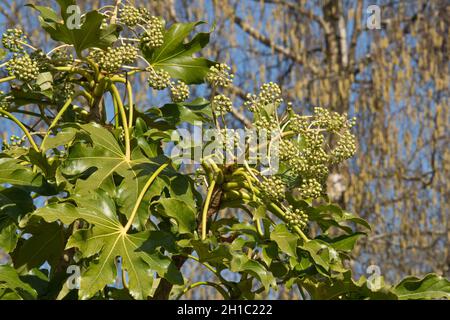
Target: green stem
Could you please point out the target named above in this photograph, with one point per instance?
(81, 72)
(7, 79)
(221, 290)
(280, 214)
(61, 113)
(206, 206)
(24, 129)
(141, 196)
(130, 104)
(117, 98)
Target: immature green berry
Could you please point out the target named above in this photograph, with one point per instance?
(346, 147)
(296, 218)
(128, 53)
(145, 14)
(153, 36)
(23, 68)
(63, 90)
(333, 121)
(159, 79)
(270, 124)
(179, 91)
(270, 93)
(12, 39)
(129, 16)
(222, 104)
(288, 150)
(273, 188)
(313, 139)
(252, 103)
(219, 76)
(299, 124)
(42, 60)
(310, 188)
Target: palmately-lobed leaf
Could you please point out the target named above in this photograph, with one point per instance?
(107, 239)
(12, 287)
(286, 240)
(179, 210)
(87, 35)
(15, 203)
(176, 55)
(46, 244)
(13, 172)
(103, 154)
(431, 286)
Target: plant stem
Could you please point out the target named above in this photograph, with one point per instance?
(221, 290)
(118, 99)
(24, 129)
(81, 72)
(280, 214)
(61, 112)
(130, 104)
(7, 79)
(206, 206)
(141, 195)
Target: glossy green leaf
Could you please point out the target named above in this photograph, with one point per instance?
(14, 173)
(180, 211)
(241, 263)
(14, 287)
(108, 239)
(176, 55)
(45, 245)
(431, 286)
(105, 156)
(344, 242)
(286, 240)
(89, 34)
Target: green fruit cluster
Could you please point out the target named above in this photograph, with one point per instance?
(222, 104)
(310, 188)
(159, 79)
(179, 91)
(219, 75)
(273, 188)
(23, 68)
(296, 218)
(112, 59)
(12, 40)
(153, 36)
(14, 141)
(129, 16)
(269, 93)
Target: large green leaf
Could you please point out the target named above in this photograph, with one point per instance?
(88, 35)
(14, 204)
(286, 240)
(241, 263)
(344, 242)
(108, 239)
(12, 287)
(171, 115)
(104, 155)
(343, 287)
(45, 245)
(14, 173)
(180, 211)
(176, 56)
(431, 286)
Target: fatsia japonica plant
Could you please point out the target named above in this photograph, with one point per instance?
(93, 204)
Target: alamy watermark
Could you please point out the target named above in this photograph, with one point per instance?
(374, 19)
(227, 146)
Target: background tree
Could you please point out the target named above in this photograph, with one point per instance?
(394, 79)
